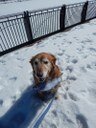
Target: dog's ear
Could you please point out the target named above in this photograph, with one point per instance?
(53, 59)
(31, 60)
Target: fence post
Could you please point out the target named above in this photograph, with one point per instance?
(84, 12)
(62, 17)
(28, 26)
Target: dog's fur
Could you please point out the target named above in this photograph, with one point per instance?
(45, 69)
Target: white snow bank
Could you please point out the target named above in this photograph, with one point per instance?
(32, 5)
(76, 55)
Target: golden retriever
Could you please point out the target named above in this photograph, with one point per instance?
(45, 69)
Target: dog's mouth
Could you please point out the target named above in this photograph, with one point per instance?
(41, 79)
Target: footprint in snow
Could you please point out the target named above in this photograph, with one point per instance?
(41, 46)
(85, 56)
(94, 34)
(92, 49)
(60, 53)
(21, 59)
(69, 42)
(13, 78)
(92, 94)
(76, 38)
(74, 61)
(54, 43)
(1, 102)
(53, 126)
(65, 96)
(94, 65)
(73, 96)
(83, 69)
(67, 88)
(73, 78)
(79, 50)
(58, 45)
(69, 68)
(63, 50)
(82, 42)
(62, 43)
(81, 121)
(88, 40)
(54, 112)
(2, 62)
(91, 66)
(20, 66)
(59, 35)
(16, 53)
(54, 38)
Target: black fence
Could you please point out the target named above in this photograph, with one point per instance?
(18, 30)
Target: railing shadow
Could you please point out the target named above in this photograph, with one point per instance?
(23, 111)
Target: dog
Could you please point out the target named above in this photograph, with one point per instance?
(44, 70)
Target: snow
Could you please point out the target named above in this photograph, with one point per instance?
(75, 50)
(32, 5)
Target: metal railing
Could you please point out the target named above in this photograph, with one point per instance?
(21, 29)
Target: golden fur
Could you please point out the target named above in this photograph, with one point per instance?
(44, 69)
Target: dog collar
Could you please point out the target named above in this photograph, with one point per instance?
(42, 87)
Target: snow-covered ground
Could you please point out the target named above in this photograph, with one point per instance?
(75, 50)
(32, 5)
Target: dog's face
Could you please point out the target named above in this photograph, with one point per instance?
(42, 65)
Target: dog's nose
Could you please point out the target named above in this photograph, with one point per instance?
(40, 74)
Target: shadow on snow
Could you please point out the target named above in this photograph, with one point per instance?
(23, 111)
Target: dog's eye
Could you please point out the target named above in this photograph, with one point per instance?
(36, 63)
(45, 62)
